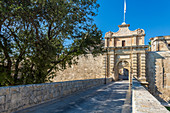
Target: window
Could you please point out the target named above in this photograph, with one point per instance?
(169, 46)
(115, 44)
(123, 43)
(108, 42)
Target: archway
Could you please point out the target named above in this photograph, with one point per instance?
(123, 70)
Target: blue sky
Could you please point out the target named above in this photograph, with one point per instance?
(151, 15)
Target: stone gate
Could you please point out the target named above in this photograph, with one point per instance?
(125, 50)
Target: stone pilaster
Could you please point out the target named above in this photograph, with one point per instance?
(113, 42)
(111, 63)
(134, 43)
(142, 77)
(106, 42)
(138, 65)
(134, 65)
(143, 64)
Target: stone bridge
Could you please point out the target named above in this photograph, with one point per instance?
(83, 96)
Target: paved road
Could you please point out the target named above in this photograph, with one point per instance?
(111, 98)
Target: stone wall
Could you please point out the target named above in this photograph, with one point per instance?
(14, 98)
(87, 68)
(158, 74)
(144, 102)
(160, 43)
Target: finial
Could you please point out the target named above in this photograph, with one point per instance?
(123, 23)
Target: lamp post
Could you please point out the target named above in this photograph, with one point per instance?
(106, 72)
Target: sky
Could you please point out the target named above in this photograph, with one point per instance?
(151, 15)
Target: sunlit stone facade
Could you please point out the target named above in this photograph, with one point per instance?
(160, 43)
(125, 54)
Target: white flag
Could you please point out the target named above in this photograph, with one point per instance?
(124, 6)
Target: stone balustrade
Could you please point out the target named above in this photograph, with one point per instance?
(14, 98)
(144, 102)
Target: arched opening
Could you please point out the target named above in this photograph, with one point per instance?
(123, 70)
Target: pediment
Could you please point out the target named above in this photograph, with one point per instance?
(124, 31)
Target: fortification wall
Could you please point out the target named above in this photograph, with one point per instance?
(14, 98)
(158, 74)
(87, 68)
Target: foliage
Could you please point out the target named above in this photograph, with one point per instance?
(168, 108)
(38, 37)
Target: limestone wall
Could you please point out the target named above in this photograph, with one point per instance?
(144, 102)
(14, 98)
(87, 68)
(158, 74)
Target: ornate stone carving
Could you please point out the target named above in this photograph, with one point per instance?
(109, 34)
(140, 31)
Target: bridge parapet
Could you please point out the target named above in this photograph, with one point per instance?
(14, 98)
(144, 102)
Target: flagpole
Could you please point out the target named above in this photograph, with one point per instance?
(124, 10)
(124, 18)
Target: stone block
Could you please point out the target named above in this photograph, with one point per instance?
(8, 98)
(143, 62)
(134, 62)
(7, 106)
(2, 99)
(134, 71)
(26, 101)
(143, 65)
(143, 55)
(15, 98)
(143, 71)
(143, 59)
(2, 108)
(4, 91)
(14, 90)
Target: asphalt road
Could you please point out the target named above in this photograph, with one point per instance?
(111, 98)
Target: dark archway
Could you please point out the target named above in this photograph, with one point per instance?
(123, 70)
(124, 75)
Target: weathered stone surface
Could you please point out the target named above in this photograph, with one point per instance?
(17, 97)
(160, 43)
(2, 99)
(109, 98)
(87, 68)
(14, 90)
(157, 72)
(2, 108)
(4, 91)
(144, 102)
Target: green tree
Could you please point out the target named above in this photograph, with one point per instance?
(38, 37)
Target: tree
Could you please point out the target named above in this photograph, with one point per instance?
(38, 37)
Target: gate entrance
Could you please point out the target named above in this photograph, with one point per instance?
(123, 70)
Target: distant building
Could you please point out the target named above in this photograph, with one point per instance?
(160, 43)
